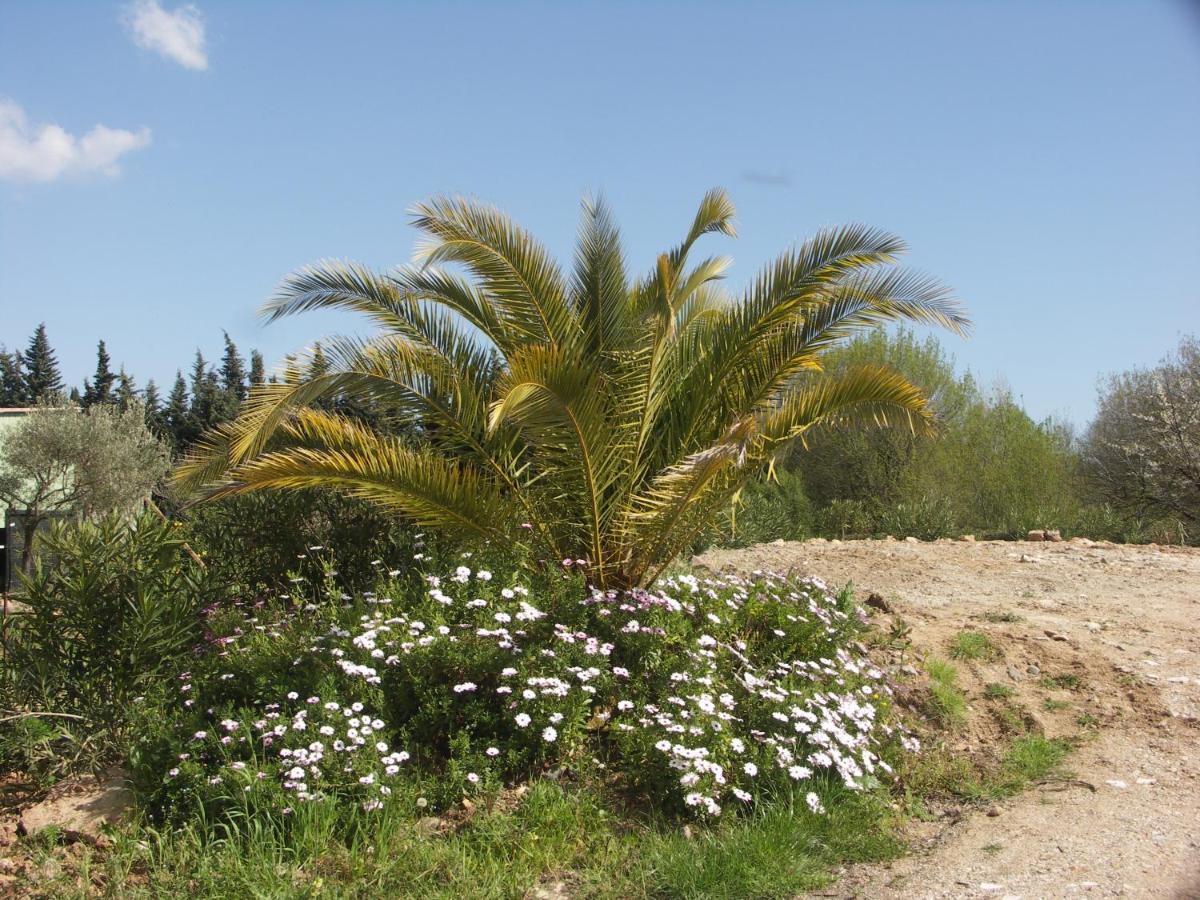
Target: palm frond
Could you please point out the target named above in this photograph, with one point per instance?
(524, 283)
(598, 287)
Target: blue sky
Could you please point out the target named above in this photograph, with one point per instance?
(1042, 158)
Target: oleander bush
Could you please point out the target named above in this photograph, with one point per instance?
(111, 609)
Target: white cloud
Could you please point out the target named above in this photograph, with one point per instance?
(47, 152)
(177, 35)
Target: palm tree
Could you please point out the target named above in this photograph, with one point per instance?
(611, 417)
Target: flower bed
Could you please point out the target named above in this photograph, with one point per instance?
(699, 697)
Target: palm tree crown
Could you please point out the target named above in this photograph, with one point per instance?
(611, 416)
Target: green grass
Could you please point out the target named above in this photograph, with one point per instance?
(970, 645)
(946, 704)
(1065, 682)
(996, 691)
(555, 834)
(1028, 759)
(1052, 705)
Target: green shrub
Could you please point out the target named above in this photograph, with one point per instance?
(111, 611)
(846, 518)
(260, 542)
(926, 517)
(768, 511)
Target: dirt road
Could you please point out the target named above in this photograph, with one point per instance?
(1102, 643)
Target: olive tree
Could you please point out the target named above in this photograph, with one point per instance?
(86, 462)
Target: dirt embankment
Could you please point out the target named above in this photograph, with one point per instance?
(1098, 642)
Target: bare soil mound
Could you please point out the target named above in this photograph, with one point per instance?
(1092, 641)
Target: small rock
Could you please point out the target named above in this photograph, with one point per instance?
(1056, 635)
(1014, 673)
(1092, 626)
(1036, 535)
(911, 540)
(877, 602)
(1146, 781)
(911, 671)
(1026, 558)
(429, 825)
(1033, 670)
(1054, 535)
(80, 807)
(968, 538)
(1117, 783)
(1178, 679)
(993, 812)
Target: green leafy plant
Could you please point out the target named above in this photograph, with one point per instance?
(973, 645)
(614, 417)
(946, 703)
(111, 609)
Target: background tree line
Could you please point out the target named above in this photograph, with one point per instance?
(210, 394)
(991, 470)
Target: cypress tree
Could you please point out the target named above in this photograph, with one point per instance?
(155, 420)
(257, 369)
(43, 380)
(233, 372)
(12, 380)
(177, 414)
(207, 407)
(100, 389)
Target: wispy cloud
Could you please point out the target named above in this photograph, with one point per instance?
(177, 35)
(46, 152)
(777, 178)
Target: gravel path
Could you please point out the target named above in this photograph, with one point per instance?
(1126, 618)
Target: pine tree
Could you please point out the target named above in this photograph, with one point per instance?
(43, 380)
(100, 389)
(207, 407)
(12, 381)
(155, 419)
(233, 370)
(126, 393)
(233, 380)
(177, 415)
(257, 369)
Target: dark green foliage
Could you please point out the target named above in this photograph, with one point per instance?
(126, 393)
(12, 380)
(233, 373)
(770, 510)
(257, 369)
(100, 388)
(111, 610)
(43, 381)
(258, 542)
(177, 416)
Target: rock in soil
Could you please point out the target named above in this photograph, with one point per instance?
(80, 807)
